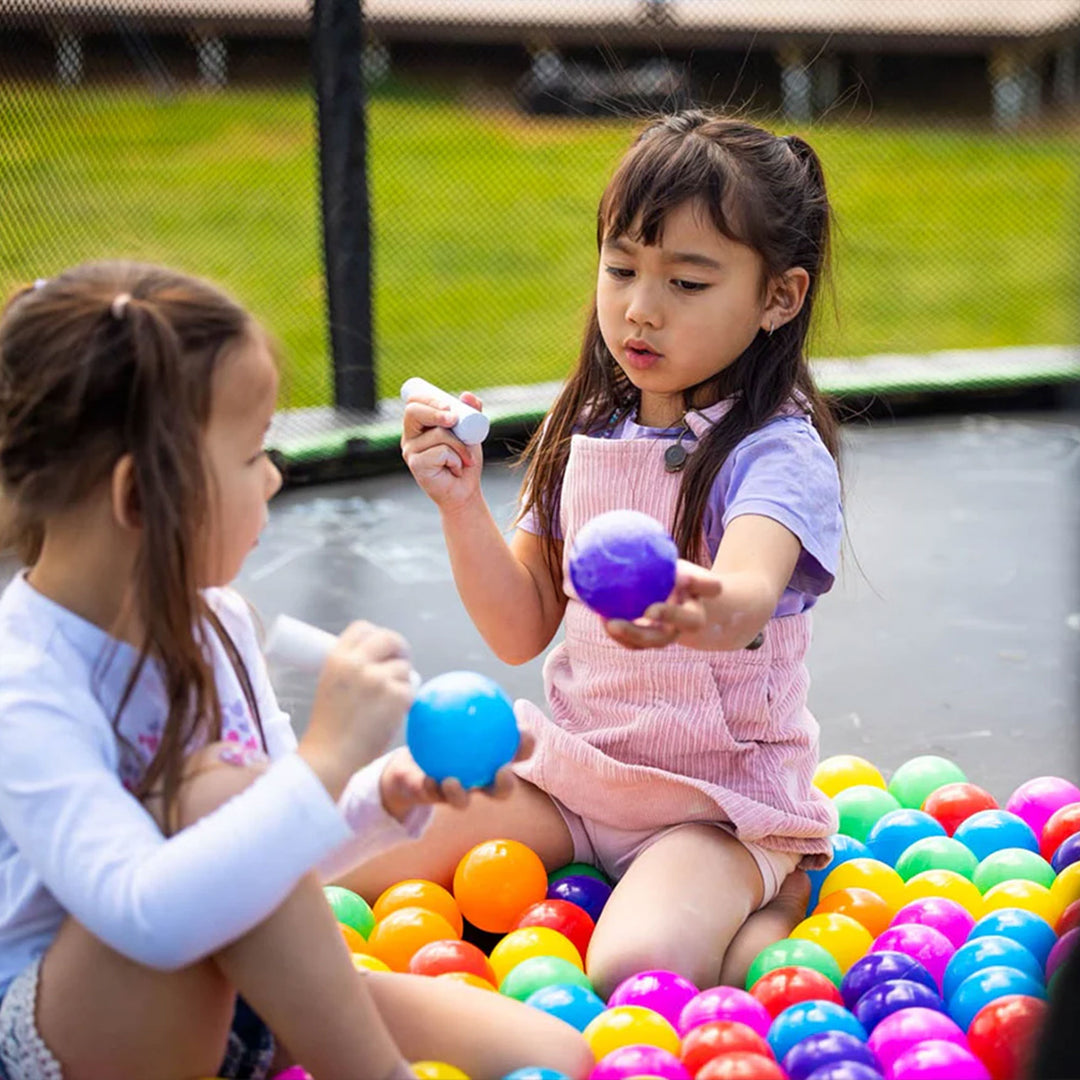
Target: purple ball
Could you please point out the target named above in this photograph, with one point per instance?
(1060, 952)
(879, 967)
(940, 913)
(1036, 800)
(589, 893)
(845, 1070)
(665, 992)
(724, 1003)
(938, 1059)
(639, 1060)
(923, 943)
(891, 996)
(825, 1048)
(1067, 853)
(621, 562)
(896, 1034)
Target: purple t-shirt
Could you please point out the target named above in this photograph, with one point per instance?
(781, 471)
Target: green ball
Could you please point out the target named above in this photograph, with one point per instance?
(1009, 863)
(540, 971)
(578, 868)
(936, 853)
(794, 952)
(915, 779)
(350, 909)
(860, 807)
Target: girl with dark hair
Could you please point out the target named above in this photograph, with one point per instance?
(679, 751)
(163, 837)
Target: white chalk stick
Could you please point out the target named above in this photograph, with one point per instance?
(472, 426)
(295, 644)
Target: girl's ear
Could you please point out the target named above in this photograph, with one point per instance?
(124, 496)
(785, 298)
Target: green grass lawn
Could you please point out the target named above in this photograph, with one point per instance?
(484, 224)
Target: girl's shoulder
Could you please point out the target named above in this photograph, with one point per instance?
(238, 617)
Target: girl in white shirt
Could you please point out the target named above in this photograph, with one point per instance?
(163, 837)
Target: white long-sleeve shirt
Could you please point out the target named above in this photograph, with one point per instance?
(74, 840)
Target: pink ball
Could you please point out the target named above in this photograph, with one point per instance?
(901, 1030)
(665, 992)
(1059, 953)
(1036, 800)
(293, 1072)
(923, 943)
(938, 1059)
(724, 1003)
(941, 914)
(631, 1061)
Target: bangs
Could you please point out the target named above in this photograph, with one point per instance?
(666, 170)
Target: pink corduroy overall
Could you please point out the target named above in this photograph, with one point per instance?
(647, 739)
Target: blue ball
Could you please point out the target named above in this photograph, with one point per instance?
(982, 987)
(462, 725)
(1067, 853)
(589, 893)
(1022, 926)
(576, 1005)
(877, 967)
(815, 1052)
(892, 996)
(845, 1070)
(991, 830)
(988, 950)
(843, 848)
(621, 562)
(806, 1018)
(529, 1073)
(894, 832)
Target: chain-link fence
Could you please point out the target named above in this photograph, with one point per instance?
(186, 131)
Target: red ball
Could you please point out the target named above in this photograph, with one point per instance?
(1069, 920)
(439, 957)
(952, 804)
(741, 1066)
(720, 1037)
(781, 987)
(1062, 823)
(1003, 1034)
(570, 920)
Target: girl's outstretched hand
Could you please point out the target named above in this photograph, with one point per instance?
(445, 468)
(404, 785)
(683, 617)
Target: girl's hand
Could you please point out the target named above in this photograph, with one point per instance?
(361, 699)
(404, 785)
(683, 617)
(445, 468)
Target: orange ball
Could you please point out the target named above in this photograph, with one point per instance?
(496, 881)
(423, 894)
(353, 938)
(862, 905)
(403, 932)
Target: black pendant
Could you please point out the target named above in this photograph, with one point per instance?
(675, 457)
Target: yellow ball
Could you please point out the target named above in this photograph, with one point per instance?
(468, 979)
(364, 962)
(947, 884)
(844, 937)
(870, 874)
(532, 941)
(1021, 893)
(844, 771)
(630, 1025)
(436, 1070)
(1066, 887)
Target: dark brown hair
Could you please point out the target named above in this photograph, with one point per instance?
(757, 189)
(109, 359)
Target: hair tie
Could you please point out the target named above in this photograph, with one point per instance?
(40, 283)
(119, 305)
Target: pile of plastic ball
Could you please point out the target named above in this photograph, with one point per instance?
(931, 942)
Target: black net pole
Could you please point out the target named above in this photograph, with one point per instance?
(337, 41)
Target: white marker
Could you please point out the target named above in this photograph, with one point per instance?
(472, 426)
(300, 645)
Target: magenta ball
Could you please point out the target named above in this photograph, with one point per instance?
(665, 992)
(724, 1003)
(630, 1061)
(923, 943)
(293, 1072)
(938, 1059)
(941, 914)
(1036, 800)
(1064, 945)
(900, 1031)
